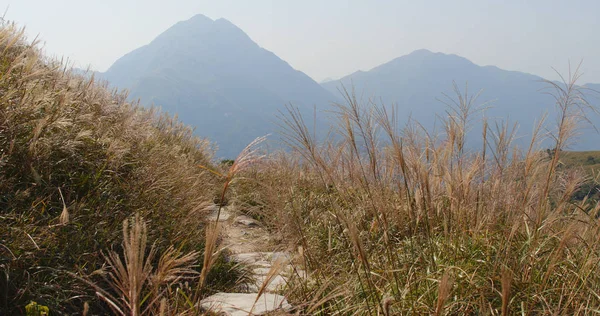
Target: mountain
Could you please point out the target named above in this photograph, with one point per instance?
(215, 78)
(593, 86)
(417, 82)
(328, 79)
(592, 91)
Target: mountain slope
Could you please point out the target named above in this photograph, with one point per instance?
(214, 77)
(593, 86)
(417, 82)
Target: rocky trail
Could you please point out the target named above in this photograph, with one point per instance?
(251, 244)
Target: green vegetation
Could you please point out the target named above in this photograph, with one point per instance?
(33, 309)
(588, 160)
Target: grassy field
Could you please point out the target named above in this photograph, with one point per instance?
(588, 163)
(425, 226)
(588, 160)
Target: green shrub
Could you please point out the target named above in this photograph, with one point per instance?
(33, 309)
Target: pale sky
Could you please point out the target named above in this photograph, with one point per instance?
(334, 38)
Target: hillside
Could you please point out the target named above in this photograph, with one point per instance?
(416, 84)
(77, 161)
(593, 86)
(588, 160)
(215, 78)
(588, 164)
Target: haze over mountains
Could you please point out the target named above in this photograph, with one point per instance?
(414, 82)
(215, 78)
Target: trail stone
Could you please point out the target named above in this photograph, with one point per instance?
(273, 256)
(246, 221)
(241, 304)
(263, 270)
(248, 258)
(278, 283)
(262, 264)
(224, 216)
(246, 239)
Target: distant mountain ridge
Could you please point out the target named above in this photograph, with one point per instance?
(415, 83)
(215, 78)
(593, 86)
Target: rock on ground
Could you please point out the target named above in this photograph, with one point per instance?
(243, 304)
(246, 221)
(223, 216)
(247, 241)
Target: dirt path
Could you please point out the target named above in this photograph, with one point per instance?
(251, 244)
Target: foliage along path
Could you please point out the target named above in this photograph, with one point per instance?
(251, 244)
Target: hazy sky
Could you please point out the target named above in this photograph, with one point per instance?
(334, 38)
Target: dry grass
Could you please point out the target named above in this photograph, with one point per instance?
(76, 160)
(77, 163)
(414, 221)
(140, 288)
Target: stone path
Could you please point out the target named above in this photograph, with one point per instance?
(243, 304)
(250, 244)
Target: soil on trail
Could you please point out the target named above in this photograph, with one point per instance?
(245, 235)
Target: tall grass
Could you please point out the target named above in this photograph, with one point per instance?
(76, 160)
(140, 288)
(415, 221)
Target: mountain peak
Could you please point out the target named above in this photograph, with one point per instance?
(200, 29)
(422, 52)
(425, 53)
(213, 75)
(424, 58)
(226, 24)
(417, 81)
(199, 17)
(224, 21)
